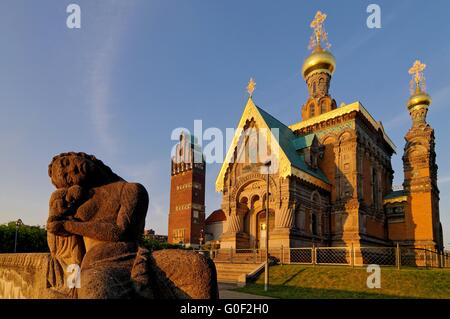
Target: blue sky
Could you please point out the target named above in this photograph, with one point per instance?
(137, 69)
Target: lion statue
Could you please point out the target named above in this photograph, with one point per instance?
(96, 221)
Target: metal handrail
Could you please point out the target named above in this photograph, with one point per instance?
(343, 255)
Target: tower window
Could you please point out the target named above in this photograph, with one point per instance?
(312, 110)
(195, 216)
(178, 236)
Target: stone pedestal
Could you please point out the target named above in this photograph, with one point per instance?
(280, 237)
(235, 241)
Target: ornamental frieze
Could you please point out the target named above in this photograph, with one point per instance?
(246, 179)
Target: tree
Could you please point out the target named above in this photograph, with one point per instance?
(29, 238)
(152, 244)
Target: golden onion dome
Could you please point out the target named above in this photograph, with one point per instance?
(419, 99)
(319, 61)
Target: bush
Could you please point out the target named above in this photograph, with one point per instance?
(29, 238)
(152, 244)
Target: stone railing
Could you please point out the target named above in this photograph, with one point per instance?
(23, 275)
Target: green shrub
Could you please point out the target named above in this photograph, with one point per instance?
(152, 244)
(29, 238)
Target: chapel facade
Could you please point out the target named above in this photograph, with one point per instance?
(330, 177)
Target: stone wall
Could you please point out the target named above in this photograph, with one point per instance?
(23, 275)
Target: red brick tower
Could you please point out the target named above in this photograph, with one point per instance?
(187, 194)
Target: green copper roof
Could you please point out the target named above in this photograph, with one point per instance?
(302, 142)
(395, 194)
(290, 143)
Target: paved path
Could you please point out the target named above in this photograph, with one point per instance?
(225, 292)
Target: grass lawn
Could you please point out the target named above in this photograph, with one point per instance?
(298, 281)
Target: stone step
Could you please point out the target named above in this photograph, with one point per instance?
(233, 272)
(236, 269)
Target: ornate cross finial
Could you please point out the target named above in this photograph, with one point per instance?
(417, 83)
(319, 32)
(251, 87)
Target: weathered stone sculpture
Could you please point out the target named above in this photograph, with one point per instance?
(96, 220)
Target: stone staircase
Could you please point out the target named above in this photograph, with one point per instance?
(237, 272)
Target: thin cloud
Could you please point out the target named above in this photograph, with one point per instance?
(444, 180)
(101, 84)
(440, 99)
(358, 40)
(150, 175)
(101, 77)
(397, 121)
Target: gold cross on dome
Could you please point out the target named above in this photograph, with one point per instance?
(318, 21)
(319, 31)
(251, 87)
(418, 78)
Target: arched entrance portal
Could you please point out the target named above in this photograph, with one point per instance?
(261, 227)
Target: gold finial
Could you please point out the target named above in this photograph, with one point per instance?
(319, 32)
(417, 83)
(251, 87)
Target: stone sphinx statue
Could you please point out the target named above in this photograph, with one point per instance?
(96, 220)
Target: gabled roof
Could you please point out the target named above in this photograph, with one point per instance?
(289, 143)
(291, 162)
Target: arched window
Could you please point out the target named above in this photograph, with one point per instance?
(314, 88)
(300, 219)
(264, 200)
(255, 201)
(375, 188)
(314, 226)
(323, 107)
(312, 110)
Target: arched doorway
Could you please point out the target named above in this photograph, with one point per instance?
(261, 227)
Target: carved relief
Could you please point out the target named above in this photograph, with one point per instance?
(285, 217)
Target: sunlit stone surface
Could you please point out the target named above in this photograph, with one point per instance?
(23, 276)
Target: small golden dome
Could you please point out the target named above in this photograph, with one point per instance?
(319, 61)
(419, 99)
